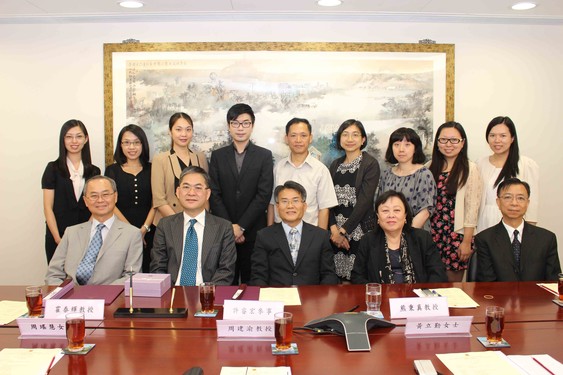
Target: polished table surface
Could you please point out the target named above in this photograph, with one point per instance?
(534, 325)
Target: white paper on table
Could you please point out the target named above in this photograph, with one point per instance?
(471, 363)
(457, 298)
(289, 296)
(28, 361)
(10, 310)
(527, 363)
(282, 370)
(550, 287)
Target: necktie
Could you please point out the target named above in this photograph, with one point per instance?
(189, 260)
(86, 267)
(516, 248)
(293, 248)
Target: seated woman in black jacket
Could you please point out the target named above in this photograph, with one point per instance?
(396, 253)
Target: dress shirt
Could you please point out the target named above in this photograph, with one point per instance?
(287, 228)
(105, 230)
(199, 227)
(510, 231)
(77, 177)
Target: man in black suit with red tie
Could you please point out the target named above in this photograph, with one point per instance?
(292, 252)
(241, 185)
(514, 250)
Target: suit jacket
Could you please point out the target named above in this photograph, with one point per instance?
(369, 266)
(242, 198)
(122, 250)
(272, 263)
(539, 260)
(165, 168)
(218, 253)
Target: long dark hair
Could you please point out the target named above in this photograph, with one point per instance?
(120, 157)
(85, 155)
(460, 170)
(510, 167)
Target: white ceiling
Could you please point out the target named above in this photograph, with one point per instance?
(482, 11)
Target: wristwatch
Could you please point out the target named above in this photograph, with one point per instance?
(148, 228)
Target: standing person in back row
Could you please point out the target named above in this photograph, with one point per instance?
(300, 166)
(241, 185)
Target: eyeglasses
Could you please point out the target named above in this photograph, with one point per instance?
(244, 124)
(509, 198)
(453, 141)
(95, 196)
(133, 143)
(294, 202)
(198, 189)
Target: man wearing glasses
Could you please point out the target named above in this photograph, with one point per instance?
(194, 246)
(514, 250)
(292, 252)
(241, 185)
(102, 250)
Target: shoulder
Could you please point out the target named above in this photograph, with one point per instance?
(538, 230)
(158, 158)
(113, 169)
(419, 234)
(314, 229)
(490, 232)
(259, 149)
(369, 160)
(168, 220)
(216, 220)
(267, 232)
(126, 227)
(483, 162)
(221, 151)
(527, 162)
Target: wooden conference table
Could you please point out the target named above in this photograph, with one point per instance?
(534, 325)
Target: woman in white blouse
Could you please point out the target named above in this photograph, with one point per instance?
(505, 162)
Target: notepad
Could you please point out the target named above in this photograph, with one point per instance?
(10, 310)
(28, 361)
(289, 296)
(457, 298)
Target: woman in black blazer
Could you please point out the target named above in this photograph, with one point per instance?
(396, 253)
(63, 182)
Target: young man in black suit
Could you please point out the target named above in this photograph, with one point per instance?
(292, 252)
(514, 250)
(241, 185)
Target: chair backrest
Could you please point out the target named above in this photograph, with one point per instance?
(472, 268)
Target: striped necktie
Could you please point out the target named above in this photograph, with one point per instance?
(189, 259)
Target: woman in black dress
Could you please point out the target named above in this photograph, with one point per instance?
(132, 174)
(355, 176)
(63, 182)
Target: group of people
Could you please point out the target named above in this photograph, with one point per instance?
(242, 219)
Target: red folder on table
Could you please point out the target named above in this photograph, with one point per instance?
(106, 292)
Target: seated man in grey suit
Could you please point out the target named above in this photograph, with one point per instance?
(292, 252)
(514, 250)
(101, 250)
(194, 246)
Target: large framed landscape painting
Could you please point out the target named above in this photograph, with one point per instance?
(385, 86)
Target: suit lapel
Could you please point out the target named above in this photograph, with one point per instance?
(281, 238)
(173, 159)
(306, 238)
(248, 159)
(112, 236)
(503, 244)
(231, 162)
(177, 228)
(84, 236)
(528, 239)
(209, 233)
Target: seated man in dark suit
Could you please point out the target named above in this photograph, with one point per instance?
(514, 250)
(102, 250)
(194, 246)
(292, 252)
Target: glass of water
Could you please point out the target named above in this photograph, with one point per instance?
(373, 298)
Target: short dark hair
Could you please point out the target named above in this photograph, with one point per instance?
(409, 135)
(175, 117)
(390, 194)
(345, 125)
(512, 181)
(100, 177)
(290, 185)
(120, 157)
(193, 169)
(239, 109)
(297, 120)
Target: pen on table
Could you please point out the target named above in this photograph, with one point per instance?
(353, 308)
(50, 364)
(436, 293)
(541, 364)
(131, 292)
(172, 300)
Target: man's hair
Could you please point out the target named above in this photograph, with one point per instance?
(290, 185)
(505, 184)
(100, 177)
(240, 109)
(297, 120)
(192, 169)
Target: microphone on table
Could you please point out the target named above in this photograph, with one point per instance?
(194, 371)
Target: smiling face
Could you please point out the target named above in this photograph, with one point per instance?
(403, 151)
(100, 198)
(513, 202)
(351, 139)
(131, 146)
(181, 133)
(500, 139)
(240, 133)
(291, 207)
(75, 139)
(299, 138)
(392, 215)
(193, 193)
(449, 149)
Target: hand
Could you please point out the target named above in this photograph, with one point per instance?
(240, 240)
(464, 251)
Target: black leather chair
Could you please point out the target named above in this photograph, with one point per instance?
(471, 274)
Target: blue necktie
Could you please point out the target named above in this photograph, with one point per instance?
(516, 248)
(189, 260)
(86, 267)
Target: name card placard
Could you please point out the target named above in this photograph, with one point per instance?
(418, 307)
(245, 329)
(446, 326)
(251, 310)
(41, 327)
(93, 309)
